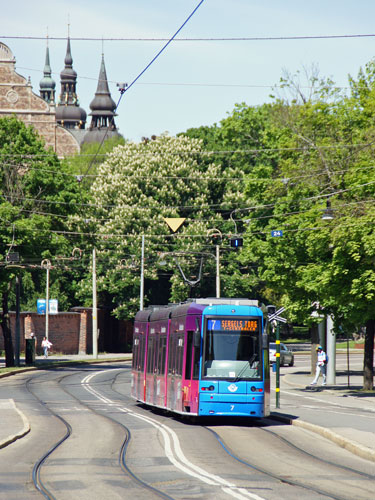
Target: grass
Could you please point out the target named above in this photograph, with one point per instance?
(352, 343)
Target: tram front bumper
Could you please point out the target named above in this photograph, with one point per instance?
(243, 405)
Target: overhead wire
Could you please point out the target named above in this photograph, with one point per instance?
(128, 87)
(204, 152)
(195, 39)
(245, 177)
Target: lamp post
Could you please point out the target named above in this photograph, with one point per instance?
(217, 236)
(142, 285)
(94, 308)
(328, 215)
(46, 264)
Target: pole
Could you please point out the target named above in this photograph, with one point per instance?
(94, 309)
(141, 292)
(331, 352)
(217, 271)
(277, 364)
(18, 322)
(347, 358)
(47, 299)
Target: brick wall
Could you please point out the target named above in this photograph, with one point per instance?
(71, 332)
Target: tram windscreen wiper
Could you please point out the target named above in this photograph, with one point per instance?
(244, 368)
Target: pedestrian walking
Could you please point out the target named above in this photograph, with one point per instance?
(46, 345)
(321, 366)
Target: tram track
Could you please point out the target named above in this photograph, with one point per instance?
(283, 478)
(288, 480)
(323, 460)
(36, 474)
(122, 457)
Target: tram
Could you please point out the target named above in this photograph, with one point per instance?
(204, 357)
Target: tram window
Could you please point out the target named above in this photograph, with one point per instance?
(162, 354)
(156, 354)
(172, 354)
(232, 354)
(141, 359)
(179, 354)
(134, 352)
(150, 354)
(189, 353)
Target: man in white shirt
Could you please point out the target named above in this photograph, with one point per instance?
(320, 366)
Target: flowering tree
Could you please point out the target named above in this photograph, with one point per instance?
(136, 188)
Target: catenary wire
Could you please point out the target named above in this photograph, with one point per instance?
(201, 39)
(128, 87)
(204, 152)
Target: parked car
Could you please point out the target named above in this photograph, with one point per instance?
(286, 356)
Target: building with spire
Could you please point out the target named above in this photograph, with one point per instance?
(47, 83)
(17, 98)
(68, 112)
(63, 125)
(102, 111)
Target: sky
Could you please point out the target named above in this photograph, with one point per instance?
(192, 83)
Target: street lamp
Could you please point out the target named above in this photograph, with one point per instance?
(328, 212)
(216, 235)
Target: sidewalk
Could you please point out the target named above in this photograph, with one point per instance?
(359, 442)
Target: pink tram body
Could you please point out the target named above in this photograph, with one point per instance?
(202, 357)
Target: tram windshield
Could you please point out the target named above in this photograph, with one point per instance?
(232, 349)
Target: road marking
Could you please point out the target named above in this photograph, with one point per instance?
(175, 454)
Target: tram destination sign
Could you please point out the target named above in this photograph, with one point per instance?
(232, 325)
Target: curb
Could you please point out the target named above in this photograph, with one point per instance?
(13, 437)
(347, 444)
(52, 364)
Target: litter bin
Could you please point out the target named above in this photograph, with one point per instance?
(274, 367)
(30, 351)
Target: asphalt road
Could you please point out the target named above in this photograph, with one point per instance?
(110, 447)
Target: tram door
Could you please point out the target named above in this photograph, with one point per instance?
(139, 366)
(175, 359)
(155, 370)
(191, 376)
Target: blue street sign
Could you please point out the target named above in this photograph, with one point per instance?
(276, 234)
(41, 306)
(52, 306)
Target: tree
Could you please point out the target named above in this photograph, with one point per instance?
(36, 197)
(298, 153)
(136, 187)
(326, 156)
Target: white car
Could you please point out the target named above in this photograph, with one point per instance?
(286, 356)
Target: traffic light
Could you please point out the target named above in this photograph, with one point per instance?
(271, 310)
(236, 242)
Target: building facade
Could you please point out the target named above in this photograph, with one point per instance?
(61, 124)
(17, 98)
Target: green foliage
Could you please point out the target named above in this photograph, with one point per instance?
(136, 188)
(37, 195)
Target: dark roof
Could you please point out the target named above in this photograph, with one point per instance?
(102, 104)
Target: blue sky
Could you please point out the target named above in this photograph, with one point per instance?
(191, 83)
